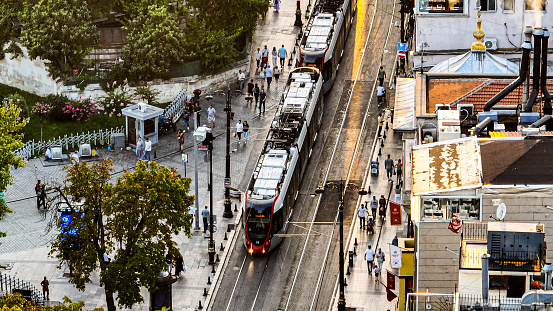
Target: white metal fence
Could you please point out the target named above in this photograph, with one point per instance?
(95, 138)
(176, 108)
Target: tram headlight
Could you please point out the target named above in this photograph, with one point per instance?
(263, 251)
(251, 250)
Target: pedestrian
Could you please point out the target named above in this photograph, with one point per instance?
(43, 197)
(282, 53)
(265, 56)
(256, 92)
(379, 94)
(381, 75)
(374, 206)
(274, 53)
(250, 88)
(382, 206)
(269, 76)
(147, 149)
(262, 76)
(399, 171)
(180, 138)
(45, 288)
(377, 272)
(389, 166)
(395, 241)
(241, 79)
(380, 123)
(169, 262)
(198, 112)
(186, 120)
(362, 211)
(239, 130)
(410, 74)
(262, 99)
(380, 257)
(205, 214)
(191, 211)
(370, 226)
(246, 131)
(258, 58)
(179, 266)
(140, 148)
(277, 5)
(277, 75)
(38, 189)
(211, 114)
(75, 156)
(369, 257)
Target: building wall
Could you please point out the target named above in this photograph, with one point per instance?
(438, 269)
(470, 282)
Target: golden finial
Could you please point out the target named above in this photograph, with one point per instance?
(479, 34)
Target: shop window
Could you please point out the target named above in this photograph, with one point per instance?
(534, 5)
(508, 5)
(442, 6)
(442, 208)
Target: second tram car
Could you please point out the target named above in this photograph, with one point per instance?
(273, 188)
(325, 37)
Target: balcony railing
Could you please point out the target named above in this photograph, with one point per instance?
(476, 303)
(476, 231)
(515, 261)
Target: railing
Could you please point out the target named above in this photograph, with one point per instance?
(515, 261)
(475, 231)
(99, 138)
(176, 108)
(9, 284)
(476, 303)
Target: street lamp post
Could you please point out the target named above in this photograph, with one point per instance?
(211, 246)
(342, 298)
(298, 22)
(228, 211)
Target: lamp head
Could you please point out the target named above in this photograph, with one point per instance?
(319, 190)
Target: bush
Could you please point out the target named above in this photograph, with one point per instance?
(58, 104)
(21, 103)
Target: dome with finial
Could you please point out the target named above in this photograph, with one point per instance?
(479, 35)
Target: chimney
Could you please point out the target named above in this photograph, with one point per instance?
(526, 48)
(547, 109)
(538, 34)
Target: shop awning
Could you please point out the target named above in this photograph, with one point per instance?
(404, 108)
(446, 166)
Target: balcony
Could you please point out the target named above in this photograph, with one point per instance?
(515, 261)
(475, 303)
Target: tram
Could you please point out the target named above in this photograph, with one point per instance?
(274, 185)
(324, 38)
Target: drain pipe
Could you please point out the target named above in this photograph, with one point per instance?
(485, 280)
(548, 269)
(538, 34)
(526, 88)
(546, 119)
(526, 48)
(547, 109)
(482, 125)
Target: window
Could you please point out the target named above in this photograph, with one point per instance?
(442, 6)
(487, 5)
(509, 5)
(149, 126)
(442, 208)
(534, 5)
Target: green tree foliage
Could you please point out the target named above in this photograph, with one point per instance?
(155, 43)
(15, 302)
(21, 103)
(145, 93)
(60, 31)
(9, 20)
(58, 104)
(134, 218)
(10, 140)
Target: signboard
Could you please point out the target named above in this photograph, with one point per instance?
(401, 49)
(395, 257)
(390, 280)
(227, 182)
(395, 214)
(202, 147)
(401, 54)
(185, 158)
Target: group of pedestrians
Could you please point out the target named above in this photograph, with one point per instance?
(370, 256)
(393, 169)
(144, 149)
(266, 73)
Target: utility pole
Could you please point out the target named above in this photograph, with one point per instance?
(298, 22)
(402, 32)
(197, 228)
(228, 211)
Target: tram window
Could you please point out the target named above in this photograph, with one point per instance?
(328, 70)
(277, 222)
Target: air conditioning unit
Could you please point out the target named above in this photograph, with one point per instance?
(56, 152)
(142, 107)
(468, 107)
(490, 43)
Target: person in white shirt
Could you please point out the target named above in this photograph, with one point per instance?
(48, 154)
(211, 114)
(239, 130)
(369, 257)
(147, 149)
(258, 57)
(362, 214)
(380, 94)
(75, 156)
(241, 79)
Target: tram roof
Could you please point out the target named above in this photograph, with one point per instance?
(320, 32)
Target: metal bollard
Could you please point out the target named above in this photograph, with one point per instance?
(350, 263)
(208, 280)
(205, 292)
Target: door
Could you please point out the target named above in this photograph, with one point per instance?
(132, 131)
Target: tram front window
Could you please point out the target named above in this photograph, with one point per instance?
(259, 218)
(312, 59)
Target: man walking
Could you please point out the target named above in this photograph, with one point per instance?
(369, 257)
(362, 214)
(262, 98)
(389, 165)
(264, 56)
(282, 53)
(139, 148)
(205, 215)
(211, 114)
(374, 206)
(45, 288)
(269, 76)
(241, 79)
(147, 149)
(258, 58)
(381, 75)
(379, 94)
(38, 191)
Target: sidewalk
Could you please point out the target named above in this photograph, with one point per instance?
(362, 292)
(27, 245)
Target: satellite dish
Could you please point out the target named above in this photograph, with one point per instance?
(501, 211)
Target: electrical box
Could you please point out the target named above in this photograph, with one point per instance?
(118, 140)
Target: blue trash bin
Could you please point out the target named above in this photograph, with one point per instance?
(374, 168)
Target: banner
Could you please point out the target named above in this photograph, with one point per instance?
(395, 214)
(390, 280)
(390, 295)
(395, 257)
(455, 224)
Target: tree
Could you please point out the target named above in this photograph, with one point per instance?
(21, 103)
(145, 93)
(155, 43)
(41, 111)
(60, 31)
(134, 218)
(117, 99)
(10, 11)
(81, 110)
(10, 141)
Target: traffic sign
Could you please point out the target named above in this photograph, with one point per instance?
(185, 158)
(202, 147)
(402, 46)
(227, 182)
(401, 54)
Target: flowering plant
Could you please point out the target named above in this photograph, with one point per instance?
(81, 110)
(41, 111)
(118, 98)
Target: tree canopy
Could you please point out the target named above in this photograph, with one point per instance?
(134, 219)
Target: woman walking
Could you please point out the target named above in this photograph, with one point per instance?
(277, 75)
(262, 76)
(256, 92)
(180, 138)
(277, 5)
(246, 129)
(274, 54)
(380, 257)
